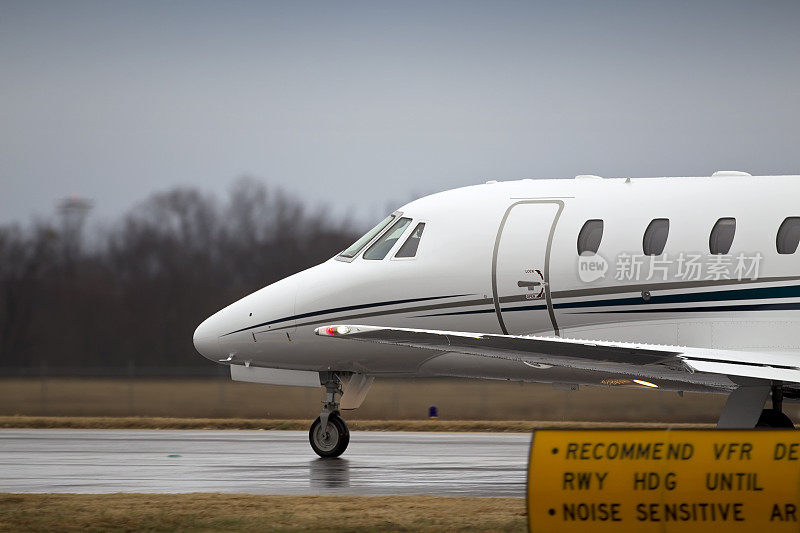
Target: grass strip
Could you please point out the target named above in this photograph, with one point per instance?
(511, 426)
(245, 512)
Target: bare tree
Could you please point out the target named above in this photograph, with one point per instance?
(137, 294)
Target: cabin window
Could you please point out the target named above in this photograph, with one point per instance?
(721, 239)
(409, 248)
(387, 240)
(789, 236)
(590, 236)
(655, 237)
(360, 243)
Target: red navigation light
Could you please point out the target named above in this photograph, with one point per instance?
(330, 330)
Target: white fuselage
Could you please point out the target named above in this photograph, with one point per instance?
(503, 258)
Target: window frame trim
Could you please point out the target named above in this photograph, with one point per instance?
(711, 235)
(778, 235)
(666, 241)
(397, 214)
(403, 241)
(583, 227)
(392, 250)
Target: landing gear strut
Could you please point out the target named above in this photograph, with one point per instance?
(743, 409)
(775, 417)
(329, 435)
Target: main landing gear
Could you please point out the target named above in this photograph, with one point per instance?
(775, 417)
(745, 406)
(329, 435)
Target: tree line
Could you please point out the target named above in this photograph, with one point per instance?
(133, 293)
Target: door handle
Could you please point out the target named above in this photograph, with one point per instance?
(529, 284)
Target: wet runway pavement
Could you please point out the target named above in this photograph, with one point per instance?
(261, 462)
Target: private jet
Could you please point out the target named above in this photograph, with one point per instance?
(676, 283)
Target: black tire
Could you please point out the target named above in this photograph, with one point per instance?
(330, 443)
(771, 418)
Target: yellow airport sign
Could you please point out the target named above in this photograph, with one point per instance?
(664, 480)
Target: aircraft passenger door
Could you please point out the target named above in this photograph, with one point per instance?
(520, 269)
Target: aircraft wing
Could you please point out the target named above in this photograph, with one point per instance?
(584, 354)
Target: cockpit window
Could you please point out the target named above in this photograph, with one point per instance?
(409, 248)
(387, 240)
(360, 243)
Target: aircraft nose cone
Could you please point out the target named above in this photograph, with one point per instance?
(206, 339)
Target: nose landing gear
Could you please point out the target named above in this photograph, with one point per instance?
(330, 440)
(329, 435)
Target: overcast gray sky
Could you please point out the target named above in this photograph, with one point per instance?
(363, 104)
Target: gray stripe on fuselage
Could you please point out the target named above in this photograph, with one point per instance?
(619, 290)
(665, 286)
(468, 303)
